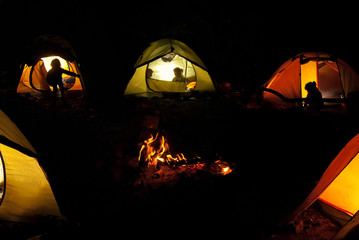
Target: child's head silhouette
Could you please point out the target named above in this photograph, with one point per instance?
(310, 86)
(55, 63)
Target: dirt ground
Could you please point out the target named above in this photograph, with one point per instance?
(89, 150)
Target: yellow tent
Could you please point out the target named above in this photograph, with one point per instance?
(37, 63)
(335, 79)
(156, 70)
(25, 193)
(338, 189)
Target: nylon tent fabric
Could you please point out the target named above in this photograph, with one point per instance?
(40, 53)
(157, 71)
(289, 70)
(339, 184)
(164, 46)
(33, 78)
(10, 131)
(26, 193)
(335, 79)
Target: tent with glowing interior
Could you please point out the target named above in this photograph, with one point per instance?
(335, 79)
(169, 66)
(25, 193)
(338, 189)
(37, 62)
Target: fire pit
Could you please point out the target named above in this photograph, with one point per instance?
(158, 166)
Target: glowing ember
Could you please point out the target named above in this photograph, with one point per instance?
(156, 150)
(225, 168)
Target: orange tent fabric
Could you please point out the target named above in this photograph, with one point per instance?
(335, 78)
(36, 63)
(339, 185)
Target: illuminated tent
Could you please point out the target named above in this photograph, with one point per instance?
(155, 70)
(25, 193)
(37, 63)
(338, 189)
(335, 79)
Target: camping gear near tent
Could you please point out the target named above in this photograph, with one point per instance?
(169, 66)
(25, 193)
(338, 189)
(37, 62)
(335, 79)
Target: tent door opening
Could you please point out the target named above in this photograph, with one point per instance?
(171, 73)
(309, 73)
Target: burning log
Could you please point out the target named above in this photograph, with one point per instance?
(160, 167)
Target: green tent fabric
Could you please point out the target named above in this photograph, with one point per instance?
(169, 66)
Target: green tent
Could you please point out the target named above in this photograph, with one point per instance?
(169, 66)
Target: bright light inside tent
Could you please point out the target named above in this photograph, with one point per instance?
(309, 73)
(165, 71)
(47, 62)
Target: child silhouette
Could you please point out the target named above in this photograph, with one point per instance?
(54, 79)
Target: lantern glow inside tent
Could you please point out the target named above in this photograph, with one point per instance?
(37, 62)
(34, 77)
(334, 78)
(169, 66)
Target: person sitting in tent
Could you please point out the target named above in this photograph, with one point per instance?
(179, 75)
(314, 98)
(54, 79)
(149, 73)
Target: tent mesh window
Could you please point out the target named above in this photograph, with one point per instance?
(170, 68)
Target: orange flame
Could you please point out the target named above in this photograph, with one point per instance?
(153, 152)
(156, 149)
(191, 85)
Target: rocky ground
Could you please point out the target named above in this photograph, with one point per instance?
(89, 150)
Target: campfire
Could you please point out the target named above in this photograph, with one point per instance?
(154, 151)
(159, 166)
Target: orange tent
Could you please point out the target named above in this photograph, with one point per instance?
(338, 189)
(335, 79)
(37, 62)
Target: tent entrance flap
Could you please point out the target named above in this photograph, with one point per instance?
(309, 73)
(69, 82)
(33, 77)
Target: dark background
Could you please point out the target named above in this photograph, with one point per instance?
(240, 42)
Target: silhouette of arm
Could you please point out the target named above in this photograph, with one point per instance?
(70, 73)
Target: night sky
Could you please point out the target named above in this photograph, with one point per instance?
(240, 42)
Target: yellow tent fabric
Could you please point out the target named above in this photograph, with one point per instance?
(339, 184)
(33, 78)
(25, 193)
(10, 131)
(335, 79)
(155, 70)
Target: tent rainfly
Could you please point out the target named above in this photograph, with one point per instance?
(338, 189)
(25, 193)
(37, 62)
(169, 66)
(335, 79)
